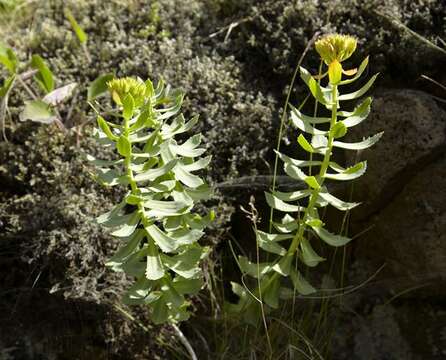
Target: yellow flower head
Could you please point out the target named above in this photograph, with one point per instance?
(335, 47)
(119, 88)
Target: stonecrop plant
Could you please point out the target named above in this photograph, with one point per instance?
(155, 222)
(289, 247)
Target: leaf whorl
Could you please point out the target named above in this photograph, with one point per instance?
(290, 248)
(155, 222)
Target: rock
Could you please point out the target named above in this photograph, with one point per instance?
(403, 192)
(414, 135)
(387, 331)
(409, 234)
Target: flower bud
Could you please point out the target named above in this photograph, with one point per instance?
(335, 47)
(119, 88)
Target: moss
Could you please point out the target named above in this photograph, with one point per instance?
(276, 33)
(237, 87)
(52, 251)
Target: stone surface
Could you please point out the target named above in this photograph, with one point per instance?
(409, 234)
(414, 135)
(403, 193)
(400, 330)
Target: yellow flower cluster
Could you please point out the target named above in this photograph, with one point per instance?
(334, 49)
(119, 88)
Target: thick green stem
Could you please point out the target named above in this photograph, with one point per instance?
(130, 177)
(315, 193)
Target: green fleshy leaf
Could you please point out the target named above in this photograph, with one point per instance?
(98, 86)
(160, 311)
(359, 114)
(308, 255)
(128, 104)
(305, 144)
(154, 269)
(110, 177)
(280, 205)
(106, 128)
(287, 225)
(203, 192)
(8, 59)
(360, 92)
(283, 267)
(163, 186)
(131, 246)
(338, 130)
(317, 91)
(350, 173)
(38, 111)
(7, 86)
(268, 242)
(361, 145)
(271, 295)
(153, 174)
(292, 196)
(312, 182)
(44, 76)
(172, 297)
(337, 203)
(197, 165)
(168, 112)
(190, 147)
(329, 238)
(123, 146)
(186, 263)
(111, 216)
(187, 286)
(188, 179)
(138, 293)
(135, 265)
(165, 242)
(129, 227)
(298, 163)
(361, 69)
(80, 33)
(186, 236)
(253, 269)
(302, 286)
(319, 144)
(302, 124)
(165, 207)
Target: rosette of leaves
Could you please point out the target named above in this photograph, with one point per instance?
(289, 247)
(155, 222)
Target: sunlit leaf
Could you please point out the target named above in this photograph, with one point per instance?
(44, 75)
(8, 59)
(278, 204)
(80, 33)
(361, 69)
(361, 145)
(256, 270)
(38, 111)
(301, 123)
(329, 238)
(154, 269)
(360, 92)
